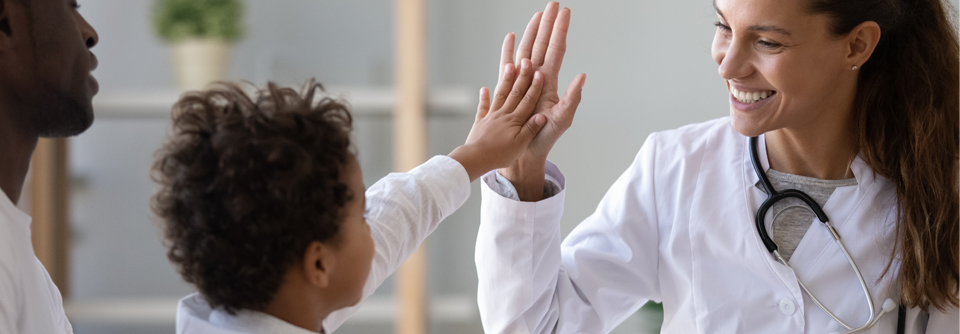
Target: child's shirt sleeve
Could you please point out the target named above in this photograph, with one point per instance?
(402, 210)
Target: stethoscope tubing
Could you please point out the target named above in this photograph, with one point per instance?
(772, 197)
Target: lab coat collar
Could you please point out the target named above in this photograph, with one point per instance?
(866, 180)
(861, 171)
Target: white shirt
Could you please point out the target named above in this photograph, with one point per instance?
(677, 227)
(402, 210)
(29, 301)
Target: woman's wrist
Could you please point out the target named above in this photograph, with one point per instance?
(527, 176)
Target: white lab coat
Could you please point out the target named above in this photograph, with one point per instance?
(402, 210)
(677, 227)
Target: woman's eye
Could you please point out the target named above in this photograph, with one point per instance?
(769, 45)
(722, 26)
(75, 5)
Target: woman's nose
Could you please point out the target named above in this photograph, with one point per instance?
(734, 63)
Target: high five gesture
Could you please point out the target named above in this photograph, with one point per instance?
(544, 42)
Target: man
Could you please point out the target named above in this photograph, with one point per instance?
(45, 91)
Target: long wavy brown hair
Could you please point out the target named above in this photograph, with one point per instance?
(907, 110)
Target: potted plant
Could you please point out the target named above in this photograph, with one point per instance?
(201, 34)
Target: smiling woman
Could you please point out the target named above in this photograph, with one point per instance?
(852, 103)
(884, 77)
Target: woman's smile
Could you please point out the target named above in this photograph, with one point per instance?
(748, 99)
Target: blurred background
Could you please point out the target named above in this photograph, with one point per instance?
(648, 65)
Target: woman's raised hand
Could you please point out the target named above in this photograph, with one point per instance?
(504, 129)
(544, 42)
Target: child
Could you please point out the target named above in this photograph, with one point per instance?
(264, 210)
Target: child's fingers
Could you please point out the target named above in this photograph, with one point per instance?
(529, 101)
(484, 106)
(520, 87)
(506, 53)
(529, 36)
(532, 127)
(504, 86)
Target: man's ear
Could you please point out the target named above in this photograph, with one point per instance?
(7, 11)
(861, 42)
(318, 263)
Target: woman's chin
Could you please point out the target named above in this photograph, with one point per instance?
(744, 125)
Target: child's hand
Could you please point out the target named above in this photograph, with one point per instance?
(503, 130)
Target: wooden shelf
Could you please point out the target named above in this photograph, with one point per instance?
(365, 101)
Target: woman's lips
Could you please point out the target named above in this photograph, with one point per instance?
(744, 101)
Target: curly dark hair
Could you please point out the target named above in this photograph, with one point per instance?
(247, 184)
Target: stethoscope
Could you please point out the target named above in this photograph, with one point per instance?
(772, 197)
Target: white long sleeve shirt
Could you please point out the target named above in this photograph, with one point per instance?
(29, 301)
(402, 210)
(678, 227)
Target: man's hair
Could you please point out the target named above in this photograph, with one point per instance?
(246, 184)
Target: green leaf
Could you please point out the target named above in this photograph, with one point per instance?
(175, 20)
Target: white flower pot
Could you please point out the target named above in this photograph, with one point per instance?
(198, 62)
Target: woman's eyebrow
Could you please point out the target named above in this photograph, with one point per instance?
(718, 10)
(761, 28)
(769, 28)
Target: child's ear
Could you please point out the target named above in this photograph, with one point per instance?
(318, 263)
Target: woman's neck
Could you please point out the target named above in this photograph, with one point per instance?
(823, 150)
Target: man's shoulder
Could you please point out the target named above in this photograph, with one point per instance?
(16, 250)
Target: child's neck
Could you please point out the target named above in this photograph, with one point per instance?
(294, 304)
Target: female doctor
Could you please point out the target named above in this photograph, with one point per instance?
(854, 104)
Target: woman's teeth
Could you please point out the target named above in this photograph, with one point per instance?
(750, 97)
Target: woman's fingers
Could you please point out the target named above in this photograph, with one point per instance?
(484, 107)
(506, 53)
(529, 35)
(558, 43)
(520, 87)
(504, 86)
(543, 33)
(571, 100)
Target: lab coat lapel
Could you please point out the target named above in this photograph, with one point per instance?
(817, 244)
(732, 277)
(859, 214)
(754, 197)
